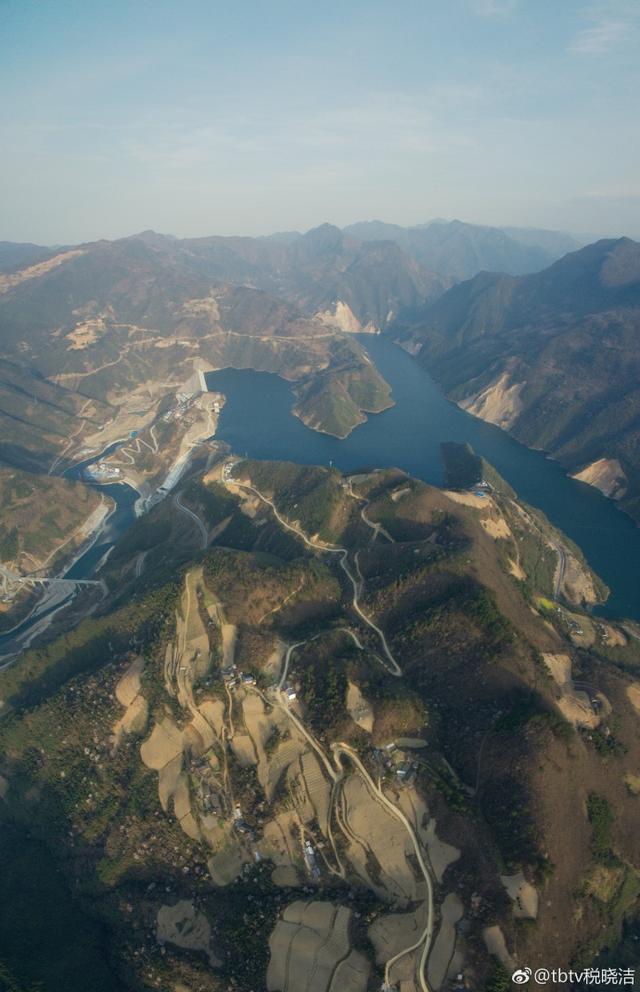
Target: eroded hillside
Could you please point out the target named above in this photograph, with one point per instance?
(551, 357)
(327, 732)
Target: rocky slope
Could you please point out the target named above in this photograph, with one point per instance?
(113, 327)
(461, 250)
(552, 357)
(412, 765)
(359, 286)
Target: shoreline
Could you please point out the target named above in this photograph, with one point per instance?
(295, 409)
(296, 412)
(530, 447)
(547, 454)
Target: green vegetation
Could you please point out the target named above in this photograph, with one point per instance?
(463, 600)
(324, 688)
(601, 819)
(451, 788)
(309, 494)
(148, 531)
(605, 744)
(39, 513)
(528, 710)
(254, 586)
(247, 925)
(213, 498)
(49, 941)
(498, 979)
(92, 644)
(495, 480)
(507, 807)
(335, 401)
(9, 543)
(481, 605)
(462, 467)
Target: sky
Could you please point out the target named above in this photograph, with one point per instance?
(195, 117)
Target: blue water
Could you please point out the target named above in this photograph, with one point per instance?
(257, 421)
(123, 516)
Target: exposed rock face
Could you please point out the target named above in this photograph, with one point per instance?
(523, 895)
(569, 334)
(7, 282)
(607, 475)
(360, 710)
(129, 695)
(342, 316)
(498, 404)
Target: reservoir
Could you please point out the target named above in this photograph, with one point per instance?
(257, 421)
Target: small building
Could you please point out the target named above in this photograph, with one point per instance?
(310, 860)
(406, 773)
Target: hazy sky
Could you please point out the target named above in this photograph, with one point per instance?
(198, 117)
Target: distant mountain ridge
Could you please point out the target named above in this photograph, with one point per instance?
(318, 269)
(113, 320)
(315, 271)
(460, 250)
(553, 357)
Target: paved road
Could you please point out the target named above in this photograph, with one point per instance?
(560, 569)
(392, 667)
(196, 519)
(336, 773)
(376, 528)
(426, 936)
(287, 659)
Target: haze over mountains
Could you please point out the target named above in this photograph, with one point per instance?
(547, 351)
(461, 250)
(257, 644)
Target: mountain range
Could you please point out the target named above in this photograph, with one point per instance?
(462, 250)
(274, 714)
(553, 357)
(89, 322)
(124, 321)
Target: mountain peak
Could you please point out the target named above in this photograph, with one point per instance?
(325, 238)
(152, 238)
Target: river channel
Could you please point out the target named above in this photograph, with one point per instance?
(257, 421)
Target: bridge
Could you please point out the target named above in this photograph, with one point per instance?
(9, 578)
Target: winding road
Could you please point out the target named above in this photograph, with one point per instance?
(196, 519)
(336, 775)
(375, 527)
(426, 936)
(390, 664)
(341, 751)
(560, 568)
